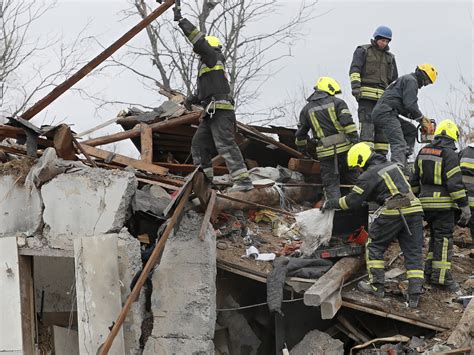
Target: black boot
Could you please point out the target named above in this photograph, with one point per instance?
(413, 300)
(373, 289)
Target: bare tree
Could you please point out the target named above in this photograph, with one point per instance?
(30, 64)
(251, 50)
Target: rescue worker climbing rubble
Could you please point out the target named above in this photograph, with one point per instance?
(216, 132)
(399, 217)
(332, 126)
(372, 69)
(401, 98)
(438, 182)
(466, 157)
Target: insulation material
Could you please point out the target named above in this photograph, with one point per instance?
(315, 228)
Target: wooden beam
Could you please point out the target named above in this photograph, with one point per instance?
(86, 69)
(207, 216)
(331, 305)
(146, 143)
(332, 280)
(146, 270)
(135, 132)
(304, 166)
(461, 334)
(123, 160)
(269, 140)
(376, 312)
(162, 184)
(63, 143)
(364, 338)
(253, 204)
(187, 168)
(25, 264)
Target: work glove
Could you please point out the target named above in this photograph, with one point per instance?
(353, 138)
(189, 101)
(356, 93)
(330, 204)
(426, 125)
(465, 216)
(177, 14)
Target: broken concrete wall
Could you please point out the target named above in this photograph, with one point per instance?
(20, 208)
(98, 292)
(55, 276)
(184, 292)
(130, 262)
(86, 203)
(11, 339)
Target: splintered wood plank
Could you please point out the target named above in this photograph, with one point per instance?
(146, 142)
(123, 160)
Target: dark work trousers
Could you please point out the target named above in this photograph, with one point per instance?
(214, 136)
(400, 133)
(471, 223)
(382, 232)
(331, 180)
(440, 251)
(368, 132)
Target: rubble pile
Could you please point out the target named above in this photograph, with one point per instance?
(87, 225)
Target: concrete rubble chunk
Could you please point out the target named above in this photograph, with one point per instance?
(184, 292)
(86, 203)
(20, 208)
(317, 342)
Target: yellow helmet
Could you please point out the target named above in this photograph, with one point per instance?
(328, 85)
(447, 128)
(213, 41)
(358, 155)
(430, 71)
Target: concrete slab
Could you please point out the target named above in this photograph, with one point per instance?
(98, 292)
(20, 208)
(11, 340)
(86, 203)
(66, 341)
(184, 293)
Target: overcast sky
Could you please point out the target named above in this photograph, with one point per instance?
(437, 32)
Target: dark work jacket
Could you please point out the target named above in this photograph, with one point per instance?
(212, 79)
(381, 180)
(437, 176)
(401, 96)
(372, 70)
(466, 157)
(325, 115)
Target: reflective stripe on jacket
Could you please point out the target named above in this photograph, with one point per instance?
(437, 177)
(325, 116)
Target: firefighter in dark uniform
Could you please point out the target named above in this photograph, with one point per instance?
(401, 97)
(332, 126)
(466, 157)
(372, 69)
(438, 182)
(399, 216)
(216, 132)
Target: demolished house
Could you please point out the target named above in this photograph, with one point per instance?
(106, 254)
(213, 272)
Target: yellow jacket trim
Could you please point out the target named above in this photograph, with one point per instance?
(327, 152)
(350, 128)
(358, 190)
(376, 264)
(207, 70)
(317, 128)
(415, 274)
(381, 146)
(354, 76)
(343, 203)
(301, 142)
(458, 194)
(437, 173)
(453, 171)
(465, 164)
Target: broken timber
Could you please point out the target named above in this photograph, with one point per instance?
(461, 334)
(331, 281)
(86, 69)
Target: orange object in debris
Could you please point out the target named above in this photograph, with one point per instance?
(359, 236)
(319, 204)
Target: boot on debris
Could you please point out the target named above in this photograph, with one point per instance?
(373, 289)
(242, 183)
(413, 300)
